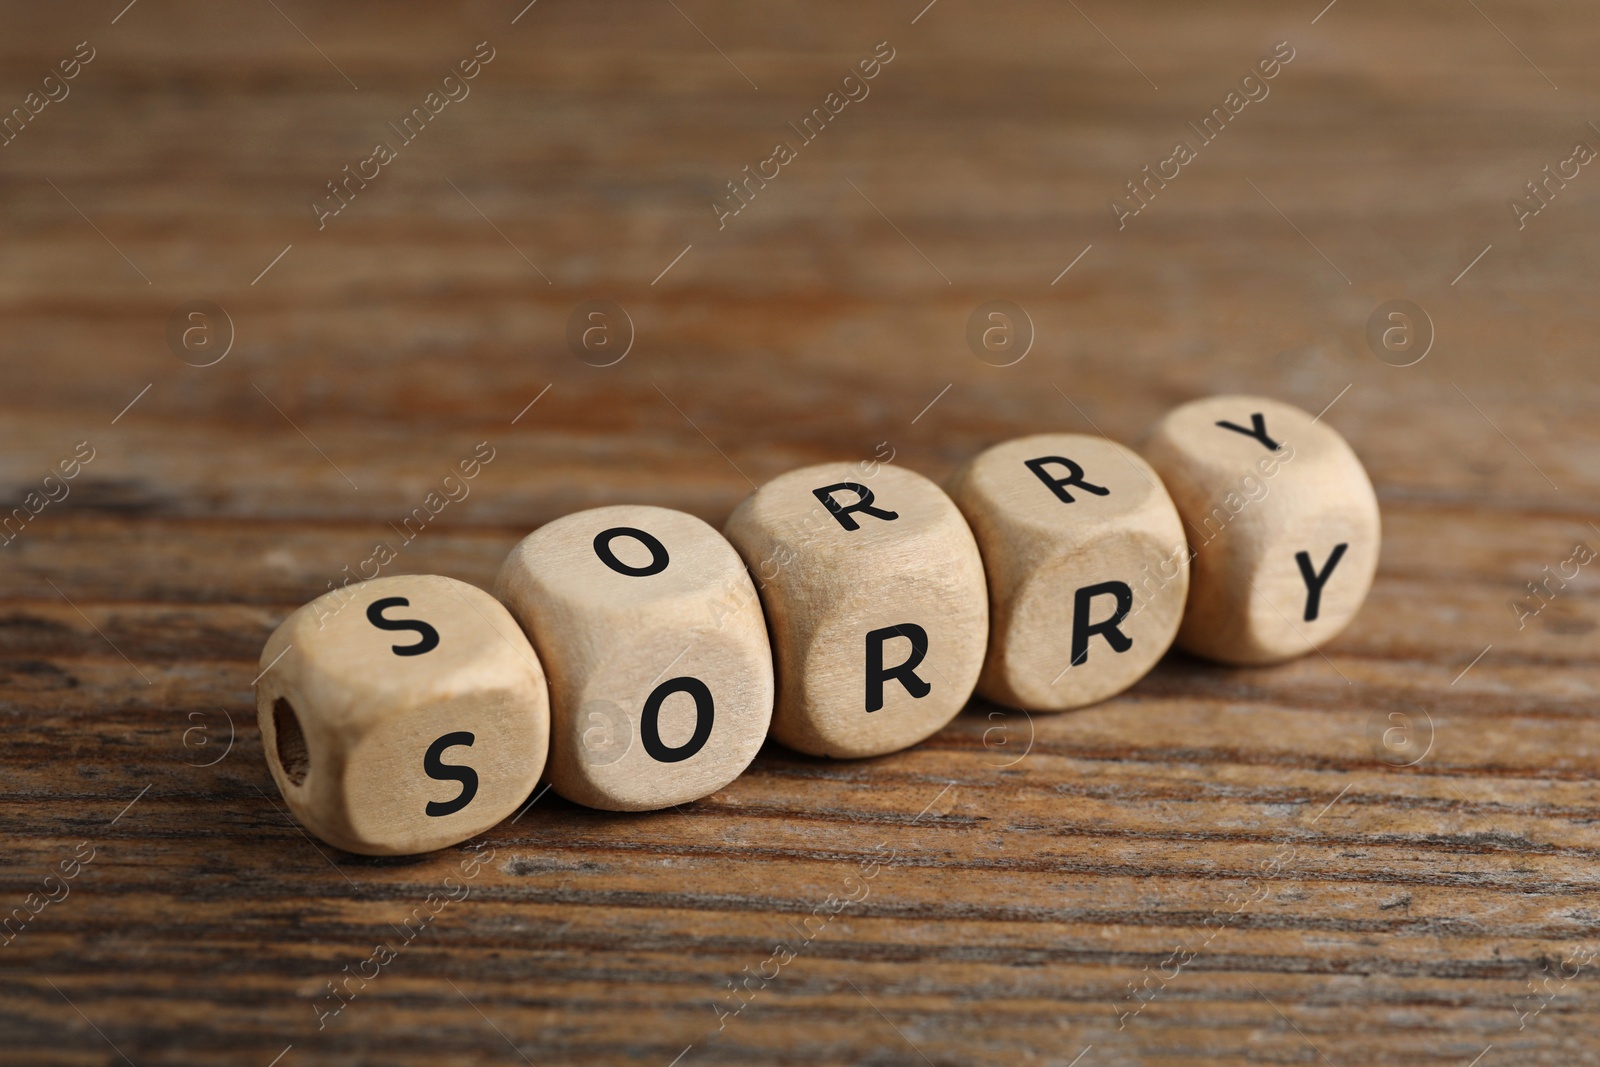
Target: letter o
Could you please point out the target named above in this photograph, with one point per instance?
(658, 554)
(650, 719)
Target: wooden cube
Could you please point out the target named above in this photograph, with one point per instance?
(660, 673)
(403, 714)
(874, 595)
(1282, 523)
(1087, 567)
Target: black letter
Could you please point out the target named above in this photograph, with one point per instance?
(650, 720)
(1315, 581)
(1082, 630)
(1058, 486)
(905, 673)
(1258, 431)
(430, 636)
(658, 551)
(445, 772)
(864, 505)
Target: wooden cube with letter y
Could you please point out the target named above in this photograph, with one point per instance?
(1282, 522)
(403, 714)
(874, 595)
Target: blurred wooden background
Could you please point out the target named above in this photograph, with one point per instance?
(1030, 875)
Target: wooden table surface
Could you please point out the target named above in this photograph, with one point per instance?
(1383, 854)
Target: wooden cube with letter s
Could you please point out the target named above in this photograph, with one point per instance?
(402, 714)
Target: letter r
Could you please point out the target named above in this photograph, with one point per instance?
(1058, 486)
(1083, 629)
(905, 673)
(863, 504)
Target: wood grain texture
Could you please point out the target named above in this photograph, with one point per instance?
(1024, 874)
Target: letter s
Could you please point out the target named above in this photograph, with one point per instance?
(430, 636)
(436, 768)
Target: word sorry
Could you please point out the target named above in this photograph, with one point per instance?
(1253, 88)
(454, 490)
(855, 89)
(51, 489)
(13, 124)
(451, 90)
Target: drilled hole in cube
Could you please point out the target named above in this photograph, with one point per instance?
(293, 756)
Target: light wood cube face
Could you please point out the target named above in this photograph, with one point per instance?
(1087, 567)
(874, 595)
(1282, 523)
(403, 714)
(660, 673)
